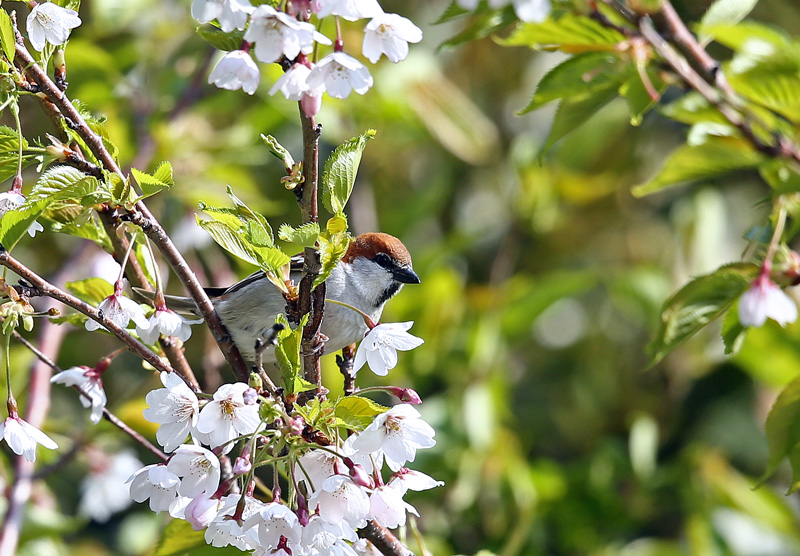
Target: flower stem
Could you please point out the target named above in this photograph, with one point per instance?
(367, 319)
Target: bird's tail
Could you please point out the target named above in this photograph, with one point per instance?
(184, 305)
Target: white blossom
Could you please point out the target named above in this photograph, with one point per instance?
(175, 408)
(765, 300)
(387, 507)
(408, 479)
(10, 200)
(90, 384)
(22, 437)
(51, 23)
(397, 433)
(167, 322)
(236, 70)
(201, 511)
(339, 498)
(340, 73)
(363, 547)
(316, 466)
(159, 485)
(389, 34)
(198, 468)
(272, 522)
(223, 531)
(231, 14)
(321, 535)
(227, 416)
(120, 310)
(350, 10)
(379, 347)
(101, 488)
(277, 34)
(531, 11)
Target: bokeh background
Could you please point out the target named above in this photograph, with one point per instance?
(542, 279)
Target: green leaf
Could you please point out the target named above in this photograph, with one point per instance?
(180, 539)
(569, 33)
(264, 236)
(331, 251)
(482, 25)
(783, 432)
(639, 100)
(690, 109)
(7, 39)
(9, 153)
(578, 78)
(229, 240)
(727, 12)
(356, 412)
(782, 175)
(742, 36)
(717, 156)
(151, 184)
(287, 355)
(777, 90)
(733, 333)
(91, 290)
(278, 151)
(219, 39)
(696, 304)
(340, 172)
(571, 114)
(65, 182)
(306, 235)
(451, 12)
(14, 223)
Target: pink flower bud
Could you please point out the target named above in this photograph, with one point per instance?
(250, 396)
(359, 476)
(201, 511)
(242, 466)
(409, 395)
(311, 104)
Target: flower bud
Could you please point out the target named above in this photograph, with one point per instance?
(242, 466)
(250, 396)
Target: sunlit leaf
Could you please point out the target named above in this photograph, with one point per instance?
(340, 172)
(91, 290)
(14, 223)
(153, 183)
(179, 539)
(305, 235)
(726, 12)
(570, 33)
(357, 412)
(65, 182)
(7, 39)
(698, 303)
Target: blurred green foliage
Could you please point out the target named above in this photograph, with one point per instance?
(541, 286)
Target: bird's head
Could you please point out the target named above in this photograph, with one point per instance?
(379, 265)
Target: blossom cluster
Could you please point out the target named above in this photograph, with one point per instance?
(338, 488)
(289, 38)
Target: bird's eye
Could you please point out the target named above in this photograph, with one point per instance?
(383, 259)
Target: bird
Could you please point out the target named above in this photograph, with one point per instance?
(373, 270)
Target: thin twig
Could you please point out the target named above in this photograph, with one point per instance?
(46, 288)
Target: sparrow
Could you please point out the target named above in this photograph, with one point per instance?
(374, 268)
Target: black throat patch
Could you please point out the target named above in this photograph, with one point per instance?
(389, 293)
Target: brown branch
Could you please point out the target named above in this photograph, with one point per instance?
(311, 303)
(46, 288)
(383, 539)
(140, 214)
(345, 363)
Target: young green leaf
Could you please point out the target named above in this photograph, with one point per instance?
(7, 39)
(90, 290)
(340, 172)
(219, 39)
(569, 33)
(228, 239)
(724, 12)
(577, 78)
(331, 251)
(153, 183)
(698, 303)
(287, 355)
(14, 223)
(179, 539)
(63, 182)
(305, 235)
(717, 156)
(571, 114)
(356, 412)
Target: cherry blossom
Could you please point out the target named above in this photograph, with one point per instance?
(340, 73)
(363, 547)
(397, 433)
(198, 469)
(166, 322)
(765, 300)
(160, 486)
(49, 22)
(236, 70)
(321, 535)
(379, 347)
(231, 14)
(201, 511)
(275, 522)
(350, 10)
(227, 416)
(224, 531)
(406, 479)
(389, 34)
(89, 383)
(22, 437)
(277, 34)
(339, 498)
(100, 489)
(10, 200)
(316, 466)
(175, 407)
(387, 507)
(533, 11)
(120, 310)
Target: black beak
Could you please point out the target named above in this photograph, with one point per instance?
(405, 274)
